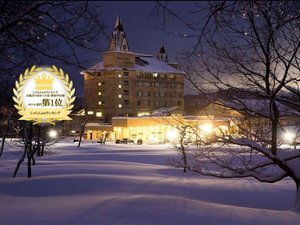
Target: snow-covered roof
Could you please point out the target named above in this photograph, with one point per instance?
(151, 64)
(143, 63)
(164, 110)
(96, 68)
(97, 124)
(259, 107)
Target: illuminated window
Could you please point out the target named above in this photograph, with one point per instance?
(171, 76)
(99, 103)
(99, 93)
(120, 105)
(120, 75)
(120, 96)
(99, 114)
(155, 74)
(120, 86)
(99, 84)
(143, 114)
(90, 112)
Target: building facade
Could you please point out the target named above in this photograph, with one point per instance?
(131, 84)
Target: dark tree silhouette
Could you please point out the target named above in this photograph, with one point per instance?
(249, 52)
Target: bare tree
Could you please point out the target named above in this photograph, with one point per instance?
(43, 32)
(82, 132)
(248, 51)
(47, 30)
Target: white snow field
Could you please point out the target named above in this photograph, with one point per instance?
(130, 184)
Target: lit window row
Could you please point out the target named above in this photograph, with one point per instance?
(98, 114)
(159, 84)
(156, 75)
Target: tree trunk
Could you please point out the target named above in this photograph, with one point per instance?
(275, 121)
(183, 151)
(81, 133)
(20, 161)
(3, 139)
(29, 151)
(29, 165)
(297, 200)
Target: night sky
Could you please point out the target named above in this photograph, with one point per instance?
(144, 32)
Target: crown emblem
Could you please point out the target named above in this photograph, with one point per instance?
(43, 82)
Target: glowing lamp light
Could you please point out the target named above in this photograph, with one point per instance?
(53, 133)
(289, 136)
(172, 135)
(207, 128)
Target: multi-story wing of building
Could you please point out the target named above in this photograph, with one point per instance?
(131, 84)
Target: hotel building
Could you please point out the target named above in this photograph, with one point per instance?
(128, 84)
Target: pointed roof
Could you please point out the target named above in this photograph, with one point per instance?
(162, 55)
(118, 41)
(162, 49)
(119, 26)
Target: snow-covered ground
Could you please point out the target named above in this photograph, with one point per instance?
(130, 184)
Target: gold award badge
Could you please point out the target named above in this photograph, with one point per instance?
(44, 95)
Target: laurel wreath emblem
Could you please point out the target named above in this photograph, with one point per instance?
(18, 92)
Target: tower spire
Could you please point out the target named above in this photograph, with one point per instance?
(118, 41)
(118, 25)
(162, 55)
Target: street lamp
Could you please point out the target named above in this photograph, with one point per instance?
(207, 128)
(291, 137)
(52, 133)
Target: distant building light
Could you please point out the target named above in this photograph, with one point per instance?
(207, 128)
(52, 133)
(99, 93)
(99, 114)
(120, 105)
(120, 86)
(172, 134)
(120, 96)
(90, 112)
(120, 75)
(155, 74)
(99, 84)
(289, 136)
(143, 114)
(73, 131)
(99, 103)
